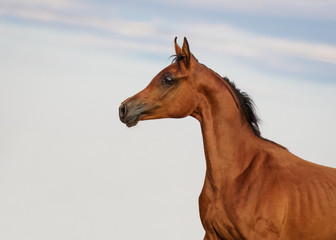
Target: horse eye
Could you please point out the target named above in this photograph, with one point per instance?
(168, 81)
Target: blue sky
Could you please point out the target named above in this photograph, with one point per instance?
(70, 170)
(264, 35)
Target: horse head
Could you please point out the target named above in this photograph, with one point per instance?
(171, 94)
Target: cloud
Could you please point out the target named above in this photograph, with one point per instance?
(151, 36)
(232, 40)
(124, 28)
(43, 4)
(223, 37)
(310, 9)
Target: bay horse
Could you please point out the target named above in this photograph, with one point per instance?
(254, 188)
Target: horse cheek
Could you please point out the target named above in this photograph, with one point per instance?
(183, 109)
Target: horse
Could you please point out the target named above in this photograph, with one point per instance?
(254, 188)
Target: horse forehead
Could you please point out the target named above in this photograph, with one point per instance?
(175, 67)
(171, 68)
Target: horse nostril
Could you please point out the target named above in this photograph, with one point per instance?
(122, 110)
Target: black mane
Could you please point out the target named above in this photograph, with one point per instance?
(248, 110)
(247, 107)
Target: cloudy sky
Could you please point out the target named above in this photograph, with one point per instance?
(70, 170)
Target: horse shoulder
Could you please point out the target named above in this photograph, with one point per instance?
(257, 203)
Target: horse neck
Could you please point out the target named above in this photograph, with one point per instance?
(229, 142)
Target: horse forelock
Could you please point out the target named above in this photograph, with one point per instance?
(177, 58)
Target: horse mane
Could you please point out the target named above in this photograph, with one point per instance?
(248, 110)
(247, 107)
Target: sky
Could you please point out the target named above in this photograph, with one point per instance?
(69, 169)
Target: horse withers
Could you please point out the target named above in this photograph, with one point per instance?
(254, 188)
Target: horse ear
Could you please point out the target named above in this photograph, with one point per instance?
(186, 50)
(178, 50)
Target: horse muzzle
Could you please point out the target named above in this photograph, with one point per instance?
(130, 112)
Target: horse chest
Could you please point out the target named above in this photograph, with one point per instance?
(216, 219)
(233, 217)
